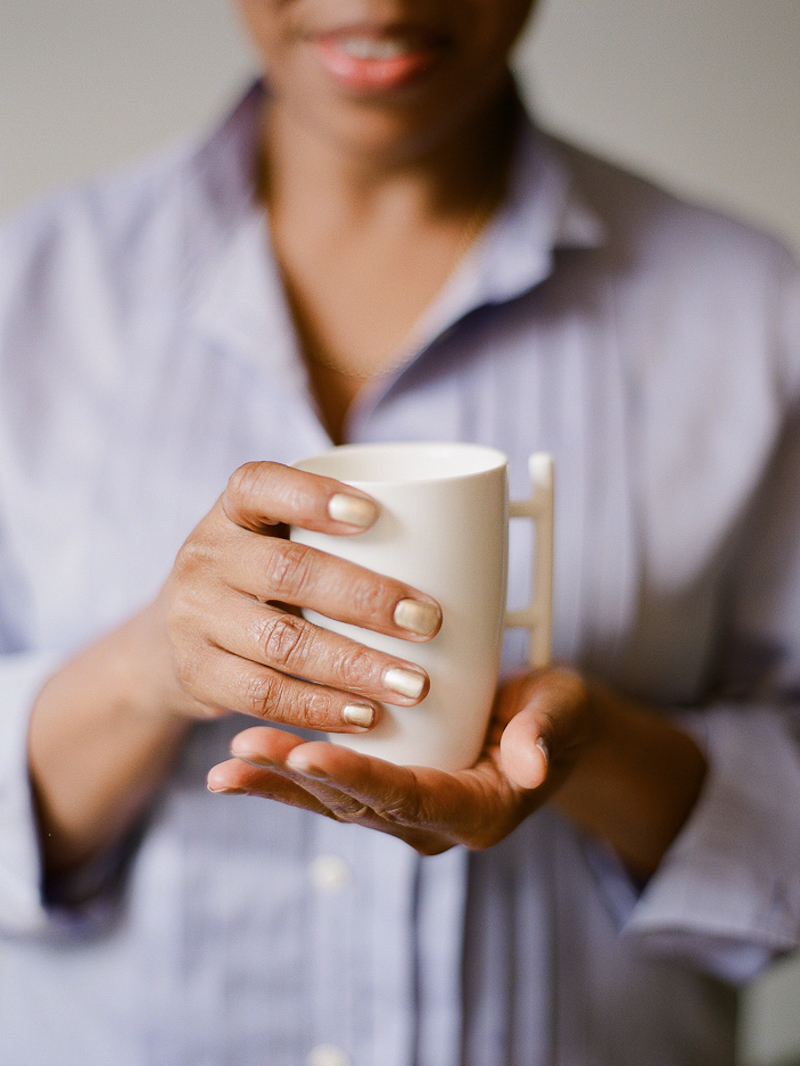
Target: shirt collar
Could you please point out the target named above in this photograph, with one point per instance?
(238, 293)
(542, 212)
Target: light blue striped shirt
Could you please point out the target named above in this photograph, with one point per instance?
(654, 348)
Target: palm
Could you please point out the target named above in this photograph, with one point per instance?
(430, 809)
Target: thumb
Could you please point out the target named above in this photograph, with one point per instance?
(545, 734)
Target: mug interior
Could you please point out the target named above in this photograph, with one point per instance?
(413, 461)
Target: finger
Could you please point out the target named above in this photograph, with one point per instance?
(282, 785)
(547, 727)
(268, 750)
(327, 772)
(430, 809)
(284, 571)
(524, 751)
(261, 495)
(467, 807)
(259, 748)
(235, 776)
(257, 775)
(221, 680)
(292, 645)
(265, 746)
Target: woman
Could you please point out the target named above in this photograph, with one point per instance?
(432, 267)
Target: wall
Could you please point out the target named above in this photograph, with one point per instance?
(703, 95)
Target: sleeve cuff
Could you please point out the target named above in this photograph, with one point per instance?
(21, 905)
(726, 896)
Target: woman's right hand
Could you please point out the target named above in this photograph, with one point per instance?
(106, 727)
(234, 645)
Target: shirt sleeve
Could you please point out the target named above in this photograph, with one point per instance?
(22, 908)
(726, 896)
(32, 904)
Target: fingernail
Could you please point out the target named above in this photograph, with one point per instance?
(417, 617)
(541, 744)
(307, 771)
(404, 682)
(353, 510)
(360, 714)
(227, 791)
(253, 759)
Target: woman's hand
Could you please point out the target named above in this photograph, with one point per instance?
(620, 770)
(535, 714)
(106, 726)
(235, 646)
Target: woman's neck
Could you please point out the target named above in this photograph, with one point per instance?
(310, 175)
(366, 242)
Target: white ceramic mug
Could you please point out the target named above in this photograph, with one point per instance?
(443, 528)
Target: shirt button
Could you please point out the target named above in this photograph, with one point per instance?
(329, 872)
(327, 1055)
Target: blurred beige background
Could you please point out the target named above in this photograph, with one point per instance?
(702, 95)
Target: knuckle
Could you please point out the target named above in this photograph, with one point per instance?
(345, 810)
(246, 492)
(176, 615)
(193, 679)
(285, 640)
(289, 570)
(243, 482)
(318, 709)
(274, 696)
(398, 813)
(407, 810)
(356, 667)
(192, 559)
(262, 694)
(405, 807)
(187, 671)
(188, 607)
(368, 597)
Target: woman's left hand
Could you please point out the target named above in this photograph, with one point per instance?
(541, 722)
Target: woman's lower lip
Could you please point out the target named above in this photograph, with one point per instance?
(374, 73)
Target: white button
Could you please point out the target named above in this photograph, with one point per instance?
(329, 872)
(327, 1055)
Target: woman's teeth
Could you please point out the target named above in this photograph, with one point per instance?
(377, 48)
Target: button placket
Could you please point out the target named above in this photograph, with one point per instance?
(333, 947)
(327, 1055)
(361, 945)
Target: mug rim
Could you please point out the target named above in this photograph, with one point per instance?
(436, 461)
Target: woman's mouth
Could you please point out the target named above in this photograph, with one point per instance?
(369, 60)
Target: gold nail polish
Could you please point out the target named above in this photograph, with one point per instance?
(353, 510)
(417, 617)
(360, 714)
(404, 682)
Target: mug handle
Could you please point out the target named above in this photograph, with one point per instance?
(537, 616)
